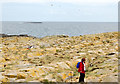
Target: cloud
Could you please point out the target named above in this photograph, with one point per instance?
(25, 1)
(89, 1)
(63, 1)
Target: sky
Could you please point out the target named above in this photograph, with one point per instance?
(59, 10)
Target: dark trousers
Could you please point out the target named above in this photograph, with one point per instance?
(81, 78)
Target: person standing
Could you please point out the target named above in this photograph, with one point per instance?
(82, 70)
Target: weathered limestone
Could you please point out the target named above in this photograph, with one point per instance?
(52, 58)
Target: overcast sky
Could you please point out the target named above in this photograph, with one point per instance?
(60, 10)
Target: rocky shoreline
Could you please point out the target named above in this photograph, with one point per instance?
(26, 58)
(21, 35)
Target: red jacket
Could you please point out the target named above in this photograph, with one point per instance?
(81, 68)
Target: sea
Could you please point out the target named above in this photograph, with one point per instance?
(42, 29)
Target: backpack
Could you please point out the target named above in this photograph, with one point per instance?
(78, 65)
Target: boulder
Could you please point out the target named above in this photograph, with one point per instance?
(34, 54)
(64, 76)
(53, 50)
(25, 70)
(1, 66)
(33, 74)
(8, 59)
(21, 76)
(1, 76)
(82, 54)
(53, 65)
(49, 68)
(34, 81)
(40, 71)
(69, 63)
(70, 74)
(5, 79)
(91, 51)
(2, 59)
(49, 77)
(76, 57)
(42, 44)
(23, 64)
(77, 46)
(111, 53)
(36, 72)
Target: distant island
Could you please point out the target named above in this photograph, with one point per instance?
(34, 22)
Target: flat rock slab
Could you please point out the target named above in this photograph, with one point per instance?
(93, 80)
(110, 79)
(103, 71)
(20, 80)
(12, 79)
(49, 77)
(25, 69)
(63, 65)
(11, 75)
(1, 76)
